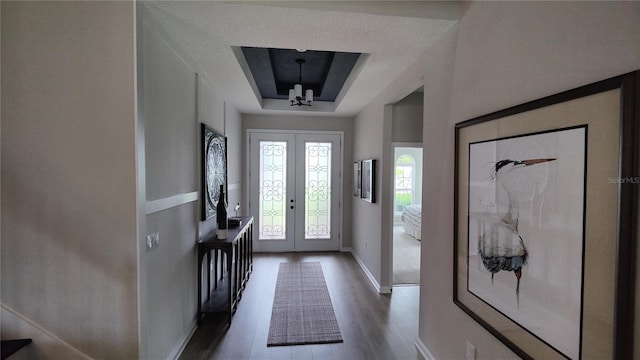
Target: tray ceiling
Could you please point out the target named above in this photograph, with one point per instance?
(227, 41)
(275, 71)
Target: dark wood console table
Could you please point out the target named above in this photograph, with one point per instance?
(232, 265)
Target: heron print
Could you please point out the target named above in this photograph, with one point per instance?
(501, 246)
(525, 230)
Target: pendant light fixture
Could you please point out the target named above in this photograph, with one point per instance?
(295, 94)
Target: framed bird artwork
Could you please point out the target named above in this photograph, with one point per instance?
(542, 245)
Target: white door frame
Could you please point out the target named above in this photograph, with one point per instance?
(339, 168)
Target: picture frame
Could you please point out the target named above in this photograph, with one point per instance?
(368, 176)
(214, 169)
(357, 178)
(546, 191)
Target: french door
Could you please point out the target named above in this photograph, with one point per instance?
(295, 190)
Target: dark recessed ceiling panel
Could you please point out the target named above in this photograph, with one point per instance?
(275, 71)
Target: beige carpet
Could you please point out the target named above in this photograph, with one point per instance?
(406, 258)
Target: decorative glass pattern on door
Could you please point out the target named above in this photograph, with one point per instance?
(273, 190)
(317, 198)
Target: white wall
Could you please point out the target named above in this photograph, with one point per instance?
(167, 101)
(366, 231)
(211, 111)
(174, 101)
(235, 156)
(436, 274)
(372, 228)
(84, 165)
(68, 178)
(504, 54)
(407, 119)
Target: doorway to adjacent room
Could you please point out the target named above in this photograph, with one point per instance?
(407, 212)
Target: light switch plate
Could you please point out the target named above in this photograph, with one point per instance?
(153, 240)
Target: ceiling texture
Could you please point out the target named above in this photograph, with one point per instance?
(352, 50)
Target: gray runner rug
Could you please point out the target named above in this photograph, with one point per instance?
(302, 312)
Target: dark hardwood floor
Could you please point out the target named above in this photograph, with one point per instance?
(373, 326)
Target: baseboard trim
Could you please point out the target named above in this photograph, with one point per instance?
(175, 354)
(424, 352)
(372, 279)
(346, 249)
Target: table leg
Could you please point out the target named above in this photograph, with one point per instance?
(238, 276)
(250, 250)
(240, 264)
(222, 259)
(215, 269)
(229, 256)
(209, 275)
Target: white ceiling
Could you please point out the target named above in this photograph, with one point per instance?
(393, 34)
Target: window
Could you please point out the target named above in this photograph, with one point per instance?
(405, 180)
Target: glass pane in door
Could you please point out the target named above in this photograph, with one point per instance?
(317, 217)
(272, 190)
